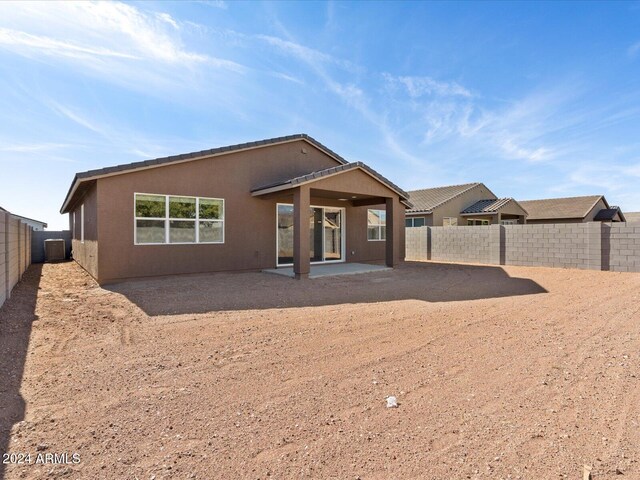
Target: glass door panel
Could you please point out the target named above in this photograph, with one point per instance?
(315, 234)
(285, 234)
(332, 234)
(325, 234)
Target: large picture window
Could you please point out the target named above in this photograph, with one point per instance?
(178, 219)
(376, 225)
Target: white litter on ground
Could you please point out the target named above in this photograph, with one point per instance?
(392, 402)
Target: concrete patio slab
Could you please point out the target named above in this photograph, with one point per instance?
(332, 269)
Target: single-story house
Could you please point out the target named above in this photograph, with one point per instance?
(458, 205)
(287, 201)
(590, 208)
(37, 225)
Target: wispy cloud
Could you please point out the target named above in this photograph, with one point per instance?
(34, 147)
(420, 86)
(120, 42)
(634, 49)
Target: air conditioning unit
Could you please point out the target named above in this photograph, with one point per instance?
(54, 250)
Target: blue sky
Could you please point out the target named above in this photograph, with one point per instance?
(534, 99)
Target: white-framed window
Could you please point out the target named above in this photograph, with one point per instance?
(376, 225)
(509, 221)
(477, 221)
(450, 222)
(414, 222)
(82, 223)
(177, 219)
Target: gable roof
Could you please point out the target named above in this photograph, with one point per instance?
(609, 214)
(328, 172)
(490, 206)
(427, 199)
(568, 207)
(185, 157)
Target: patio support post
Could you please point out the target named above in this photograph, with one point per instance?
(301, 231)
(392, 234)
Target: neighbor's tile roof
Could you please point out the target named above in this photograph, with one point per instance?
(487, 206)
(425, 200)
(292, 182)
(608, 214)
(569, 207)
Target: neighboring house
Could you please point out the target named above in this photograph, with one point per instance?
(632, 217)
(279, 202)
(458, 205)
(572, 210)
(35, 224)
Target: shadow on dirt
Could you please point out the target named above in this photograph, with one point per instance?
(428, 282)
(16, 317)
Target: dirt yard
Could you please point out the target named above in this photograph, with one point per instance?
(500, 373)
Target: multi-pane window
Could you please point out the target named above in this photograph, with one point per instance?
(477, 221)
(450, 222)
(414, 222)
(376, 224)
(178, 219)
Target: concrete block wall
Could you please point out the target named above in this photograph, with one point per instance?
(417, 242)
(37, 243)
(4, 217)
(15, 252)
(593, 245)
(462, 244)
(564, 245)
(624, 247)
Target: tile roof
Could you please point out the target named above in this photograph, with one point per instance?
(569, 207)
(487, 206)
(123, 168)
(328, 172)
(204, 153)
(426, 199)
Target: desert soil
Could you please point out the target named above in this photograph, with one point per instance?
(510, 372)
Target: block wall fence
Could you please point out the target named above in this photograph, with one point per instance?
(592, 246)
(15, 252)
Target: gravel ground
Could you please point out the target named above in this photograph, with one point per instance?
(510, 372)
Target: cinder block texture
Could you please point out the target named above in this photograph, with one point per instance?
(15, 253)
(592, 245)
(463, 244)
(624, 241)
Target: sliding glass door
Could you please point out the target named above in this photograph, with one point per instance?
(326, 234)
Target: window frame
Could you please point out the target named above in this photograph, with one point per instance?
(484, 221)
(82, 223)
(413, 222)
(509, 221)
(450, 224)
(379, 226)
(167, 219)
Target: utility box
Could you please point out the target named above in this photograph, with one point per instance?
(54, 250)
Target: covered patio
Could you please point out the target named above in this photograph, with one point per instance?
(351, 185)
